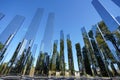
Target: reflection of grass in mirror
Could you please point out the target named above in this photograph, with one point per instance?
(1, 46)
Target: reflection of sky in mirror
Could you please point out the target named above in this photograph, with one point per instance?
(70, 16)
(34, 25)
(1, 15)
(48, 33)
(11, 28)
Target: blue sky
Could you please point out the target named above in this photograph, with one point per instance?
(70, 16)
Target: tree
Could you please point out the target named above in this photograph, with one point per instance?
(90, 52)
(70, 57)
(58, 62)
(53, 66)
(62, 63)
(18, 69)
(29, 64)
(102, 67)
(1, 46)
(80, 59)
(86, 61)
(107, 56)
(103, 46)
(14, 57)
(40, 64)
(118, 38)
(109, 36)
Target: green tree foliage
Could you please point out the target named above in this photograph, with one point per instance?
(62, 63)
(29, 64)
(98, 56)
(19, 65)
(90, 33)
(58, 62)
(103, 28)
(40, 64)
(1, 46)
(70, 57)
(12, 60)
(107, 55)
(91, 55)
(79, 59)
(118, 38)
(53, 66)
(103, 46)
(86, 61)
(3, 68)
(114, 38)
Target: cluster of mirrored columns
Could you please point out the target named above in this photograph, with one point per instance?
(95, 58)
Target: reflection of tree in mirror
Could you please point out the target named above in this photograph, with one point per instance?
(1, 46)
